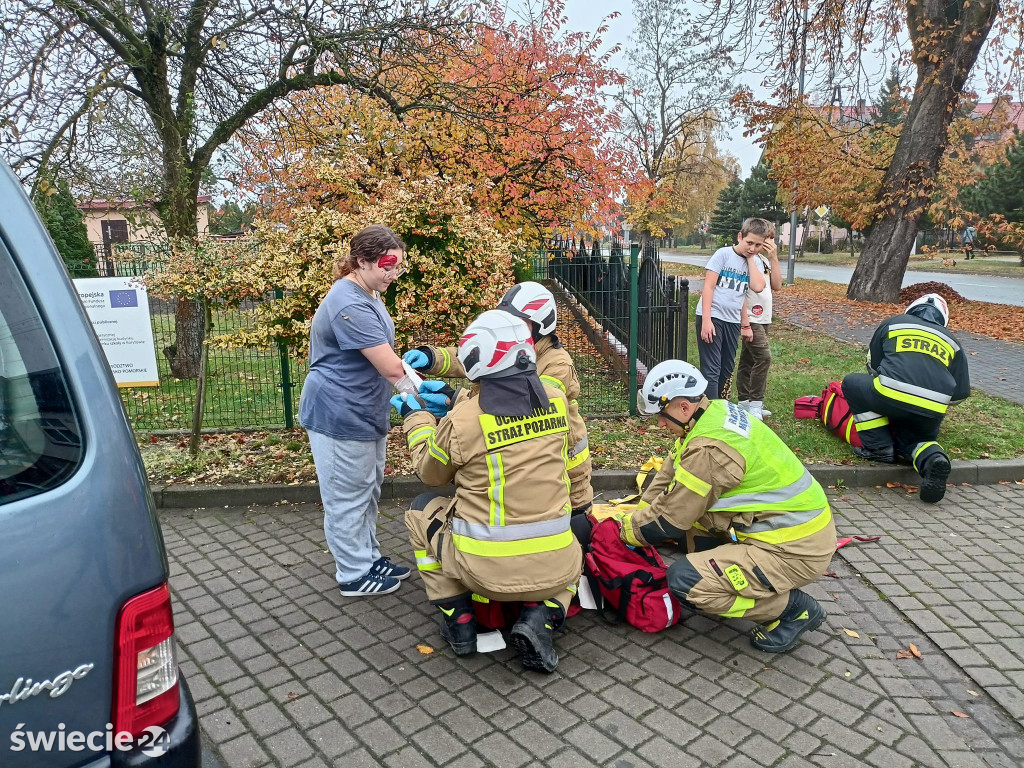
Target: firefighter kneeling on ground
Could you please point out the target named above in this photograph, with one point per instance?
(917, 369)
(760, 523)
(536, 305)
(505, 536)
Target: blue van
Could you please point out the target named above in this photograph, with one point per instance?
(88, 672)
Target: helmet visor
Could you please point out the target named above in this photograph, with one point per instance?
(645, 407)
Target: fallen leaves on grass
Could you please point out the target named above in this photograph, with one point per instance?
(808, 297)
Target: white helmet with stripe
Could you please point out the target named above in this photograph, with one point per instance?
(496, 344)
(668, 380)
(532, 302)
(930, 307)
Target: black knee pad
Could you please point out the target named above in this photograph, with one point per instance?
(682, 577)
(582, 528)
(421, 501)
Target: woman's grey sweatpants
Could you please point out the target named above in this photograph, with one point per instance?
(350, 473)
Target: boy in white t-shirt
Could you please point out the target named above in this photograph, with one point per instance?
(755, 354)
(730, 271)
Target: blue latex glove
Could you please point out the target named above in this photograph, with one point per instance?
(417, 359)
(438, 396)
(406, 404)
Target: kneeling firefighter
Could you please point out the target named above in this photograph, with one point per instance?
(760, 522)
(917, 370)
(536, 305)
(505, 536)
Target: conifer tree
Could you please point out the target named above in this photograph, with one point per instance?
(66, 226)
(726, 219)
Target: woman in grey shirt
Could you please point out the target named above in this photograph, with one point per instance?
(345, 409)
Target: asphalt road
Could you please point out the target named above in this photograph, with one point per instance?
(990, 288)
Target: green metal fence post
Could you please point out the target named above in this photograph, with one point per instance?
(286, 375)
(634, 320)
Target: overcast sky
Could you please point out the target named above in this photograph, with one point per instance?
(585, 15)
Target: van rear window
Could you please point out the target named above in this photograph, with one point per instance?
(40, 438)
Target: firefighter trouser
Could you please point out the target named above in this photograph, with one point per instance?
(430, 535)
(743, 581)
(885, 425)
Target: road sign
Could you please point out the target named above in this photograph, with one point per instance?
(821, 210)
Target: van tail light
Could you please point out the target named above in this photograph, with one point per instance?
(145, 663)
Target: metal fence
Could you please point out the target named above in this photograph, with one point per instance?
(598, 279)
(247, 388)
(600, 302)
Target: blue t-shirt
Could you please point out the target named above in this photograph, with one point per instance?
(344, 396)
(731, 289)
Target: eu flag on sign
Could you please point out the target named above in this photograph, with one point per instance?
(129, 298)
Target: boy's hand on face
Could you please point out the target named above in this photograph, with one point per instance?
(770, 249)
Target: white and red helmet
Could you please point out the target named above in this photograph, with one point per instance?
(667, 380)
(931, 307)
(496, 343)
(532, 302)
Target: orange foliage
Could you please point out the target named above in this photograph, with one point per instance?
(528, 134)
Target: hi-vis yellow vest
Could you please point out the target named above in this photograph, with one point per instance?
(787, 502)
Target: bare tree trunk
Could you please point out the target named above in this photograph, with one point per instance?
(946, 39)
(178, 212)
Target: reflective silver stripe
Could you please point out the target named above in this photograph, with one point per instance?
(517, 532)
(787, 520)
(767, 497)
(910, 389)
(425, 561)
(866, 416)
(923, 329)
(578, 448)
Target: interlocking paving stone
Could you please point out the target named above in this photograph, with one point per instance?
(695, 695)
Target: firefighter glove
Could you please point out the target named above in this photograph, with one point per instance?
(421, 358)
(438, 396)
(406, 404)
(626, 533)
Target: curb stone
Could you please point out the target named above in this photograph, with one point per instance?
(981, 472)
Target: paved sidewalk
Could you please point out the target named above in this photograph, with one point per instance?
(996, 366)
(286, 672)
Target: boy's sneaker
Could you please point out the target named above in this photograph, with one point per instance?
(744, 404)
(385, 567)
(754, 408)
(369, 585)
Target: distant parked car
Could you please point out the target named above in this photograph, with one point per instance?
(88, 672)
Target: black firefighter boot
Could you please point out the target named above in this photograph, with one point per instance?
(458, 625)
(803, 613)
(934, 471)
(532, 635)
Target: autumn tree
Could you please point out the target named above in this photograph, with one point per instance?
(160, 88)
(945, 41)
(532, 144)
(673, 104)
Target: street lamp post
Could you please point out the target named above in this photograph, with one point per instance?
(791, 273)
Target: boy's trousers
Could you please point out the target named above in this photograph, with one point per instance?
(755, 360)
(718, 358)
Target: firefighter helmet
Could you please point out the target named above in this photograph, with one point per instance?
(931, 308)
(532, 302)
(668, 380)
(496, 343)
